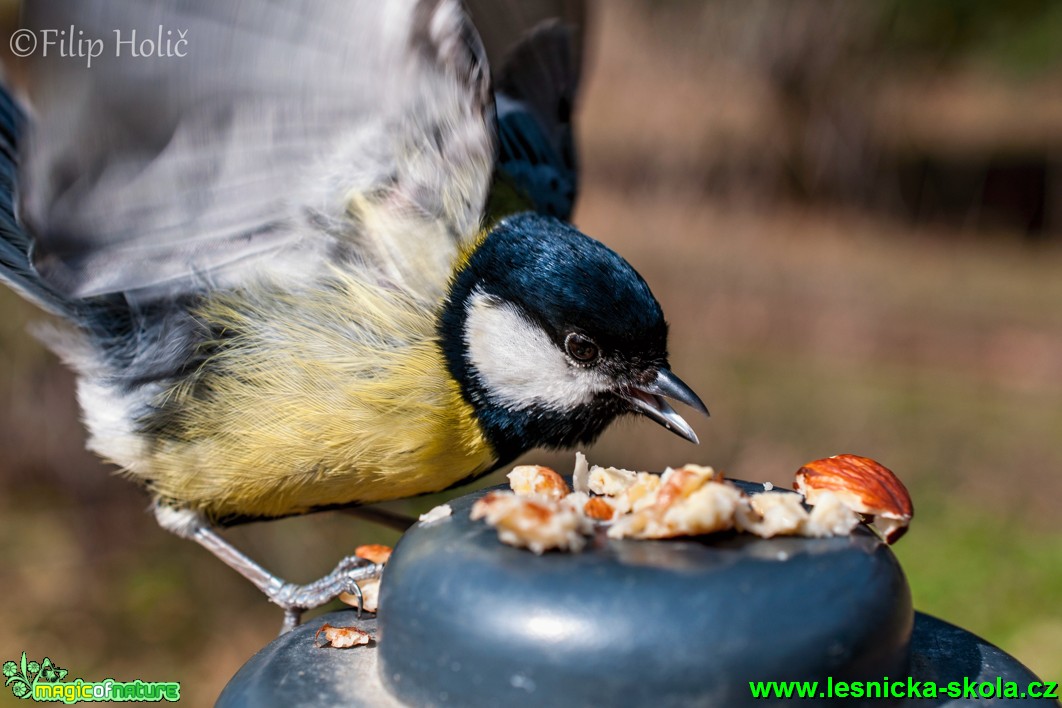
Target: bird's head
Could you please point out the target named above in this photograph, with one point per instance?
(551, 335)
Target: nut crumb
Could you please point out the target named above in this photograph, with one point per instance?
(772, 514)
(610, 481)
(440, 512)
(581, 474)
(690, 500)
(538, 523)
(598, 509)
(374, 552)
(536, 479)
(370, 595)
(340, 637)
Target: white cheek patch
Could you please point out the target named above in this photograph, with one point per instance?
(518, 364)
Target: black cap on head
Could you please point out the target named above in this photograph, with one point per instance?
(566, 280)
(592, 305)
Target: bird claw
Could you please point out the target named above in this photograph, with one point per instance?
(294, 599)
(345, 578)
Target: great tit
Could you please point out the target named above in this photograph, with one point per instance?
(312, 254)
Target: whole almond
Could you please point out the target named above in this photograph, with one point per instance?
(862, 484)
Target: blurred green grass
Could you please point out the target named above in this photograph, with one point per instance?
(812, 333)
(990, 574)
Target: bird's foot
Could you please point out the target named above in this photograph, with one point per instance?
(294, 599)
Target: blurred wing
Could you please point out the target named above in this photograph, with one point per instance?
(535, 47)
(213, 142)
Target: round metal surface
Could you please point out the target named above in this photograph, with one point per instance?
(468, 621)
(292, 673)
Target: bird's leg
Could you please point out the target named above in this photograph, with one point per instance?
(294, 599)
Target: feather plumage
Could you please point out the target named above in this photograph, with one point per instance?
(254, 242)
(164, 175)
(361, 406)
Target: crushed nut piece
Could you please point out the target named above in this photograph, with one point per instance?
(374, 553)
(773, 514)
(536, 479)
(783, 514)
(639, 495)
(370, 595)
(575, 501)
(708, 509)
(341, 637)
(440, 512)
(680, 483)
(539, 523)
(690, 500)
(610, 481)
(581, 474)
(701, 471)
(599, 509)
(831, 516)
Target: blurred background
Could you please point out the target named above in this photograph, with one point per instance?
(852, 215)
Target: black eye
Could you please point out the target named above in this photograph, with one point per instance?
(580, 348)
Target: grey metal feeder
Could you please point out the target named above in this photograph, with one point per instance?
(467, 621)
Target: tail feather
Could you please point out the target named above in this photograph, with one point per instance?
(16, 269)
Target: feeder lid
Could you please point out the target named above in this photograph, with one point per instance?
(291, 672)
(466, 620)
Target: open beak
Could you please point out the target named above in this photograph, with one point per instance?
(648, 399)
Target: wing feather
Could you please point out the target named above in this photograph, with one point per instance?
(161, 175)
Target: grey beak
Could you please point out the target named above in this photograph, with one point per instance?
(649, 400)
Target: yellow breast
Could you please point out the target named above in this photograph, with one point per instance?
(334, 395)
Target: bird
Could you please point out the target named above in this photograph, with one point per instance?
(318, 253)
